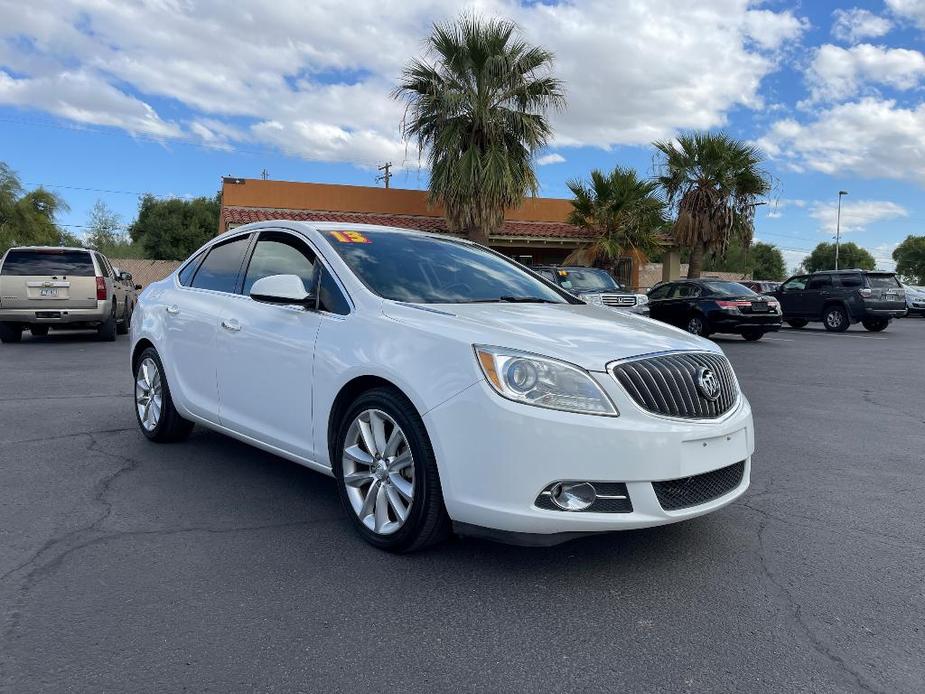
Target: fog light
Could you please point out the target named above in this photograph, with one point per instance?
(573, 496)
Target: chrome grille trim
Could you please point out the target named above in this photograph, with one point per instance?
(665, 383)
(618, 300)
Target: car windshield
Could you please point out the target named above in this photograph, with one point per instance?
(588, 280)
(48, 262)
(882, 281)
(421, 269)
(728, 288)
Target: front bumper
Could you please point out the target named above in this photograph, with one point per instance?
(57, 316)
(496, 456)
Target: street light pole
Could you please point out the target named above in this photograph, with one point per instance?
(838, 225)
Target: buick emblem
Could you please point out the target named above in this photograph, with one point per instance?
(708, 384)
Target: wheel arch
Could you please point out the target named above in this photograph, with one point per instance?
(841, 303)
(140, 346)
(349, 392)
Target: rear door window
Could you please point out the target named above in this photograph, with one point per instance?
(50, 262)
(186, 274)
(820, 282)
(852, 281)
(659, 292)
(219, 271)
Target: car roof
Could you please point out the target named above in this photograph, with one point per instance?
(852, 270)
(339, 226)
(50, 248)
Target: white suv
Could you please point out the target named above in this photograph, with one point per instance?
(443, 386)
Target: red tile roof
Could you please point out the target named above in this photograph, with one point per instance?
(511, 229)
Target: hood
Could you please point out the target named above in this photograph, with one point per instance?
(582, 292)
(589, 336)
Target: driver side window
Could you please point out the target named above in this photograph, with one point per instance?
(659, 292)
(279, 253)
(794, 284)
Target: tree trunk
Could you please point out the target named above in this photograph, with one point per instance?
(478, 235)
(696, 262)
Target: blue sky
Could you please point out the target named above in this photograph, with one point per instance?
(166, 97)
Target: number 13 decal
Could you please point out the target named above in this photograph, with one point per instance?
(350, 237)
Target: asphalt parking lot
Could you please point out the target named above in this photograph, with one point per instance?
(211, 566)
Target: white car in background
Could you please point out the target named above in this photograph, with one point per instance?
(442, 385)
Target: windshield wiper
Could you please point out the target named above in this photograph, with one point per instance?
(526, 300)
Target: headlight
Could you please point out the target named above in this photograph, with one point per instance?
(533, 380)
(641, 299)
(596, 299)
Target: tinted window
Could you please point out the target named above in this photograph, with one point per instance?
(219, 270)
(795, 283)
(882, 281)
(659, 292)
(683, 291)
(728, 288)
(820, 282)
(105, 267)
(851, 280)
(547, 274)
(48, 262)
(278, 253)
(330, 297)
(591, 280)
(424, 269)
(186, 274)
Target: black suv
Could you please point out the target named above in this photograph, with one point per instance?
(703, 307)
(839, 298)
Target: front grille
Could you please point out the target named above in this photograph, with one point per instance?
(670, 384)
(600, 505)
(699, 489)
(618, 300)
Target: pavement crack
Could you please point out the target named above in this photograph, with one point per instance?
(795, 610)
(62, 437)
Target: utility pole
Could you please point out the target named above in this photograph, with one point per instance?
(838, 225)
(387, 175)
(265, 175)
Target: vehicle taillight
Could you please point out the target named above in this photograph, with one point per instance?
(866, 293)
(101, 289)
(733, 304)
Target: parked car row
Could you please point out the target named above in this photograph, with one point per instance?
(45, 287)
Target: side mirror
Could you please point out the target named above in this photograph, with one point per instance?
(138, 287)
(282, 289)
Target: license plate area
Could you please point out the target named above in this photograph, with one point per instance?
(49, 292)
(759, 307)
(48, 314)
(703, 455)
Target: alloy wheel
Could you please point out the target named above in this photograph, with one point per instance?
(695, 326)
(378, 471)
(149, 395)
(833, 319)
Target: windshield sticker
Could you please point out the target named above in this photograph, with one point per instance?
(563, 273)
(350, 237)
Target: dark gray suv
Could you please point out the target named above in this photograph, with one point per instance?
(839, 298)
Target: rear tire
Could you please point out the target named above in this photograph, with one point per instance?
(797, 323)
(155, 413)
(426, 521)
(107, 330)
(753, 335)
(39, 330)
(875, 325)
(122, 326)
(10, 332)
(835, 319)
(697, 325)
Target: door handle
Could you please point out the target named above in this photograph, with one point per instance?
(231, 324)
(173, 310)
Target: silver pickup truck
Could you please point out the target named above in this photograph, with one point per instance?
(45, 287)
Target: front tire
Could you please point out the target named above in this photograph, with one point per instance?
(155, 413)
(875, 325)
(753, 335)
(10, 332)
(387, 475)
(835, 319)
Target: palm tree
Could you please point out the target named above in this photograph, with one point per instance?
(625, 210)
(478, 111)
(712, 182)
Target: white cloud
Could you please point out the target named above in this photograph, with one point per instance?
(870, 138)
(553, 158)
(856, 215)
(838, 73)
(856, 24)
(911, 10)
(314, 78)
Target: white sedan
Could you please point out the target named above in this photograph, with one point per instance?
(442, 385)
